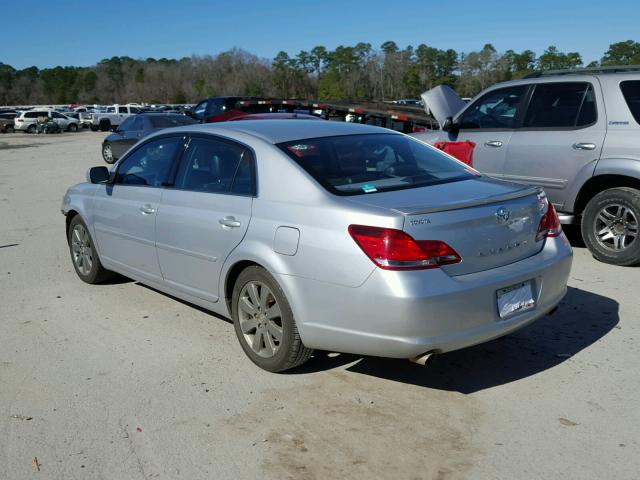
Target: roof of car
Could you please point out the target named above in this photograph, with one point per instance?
(278, 131)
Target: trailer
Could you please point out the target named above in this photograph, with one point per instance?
(403, 118)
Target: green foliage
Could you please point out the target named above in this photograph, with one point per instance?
(358, 72)
(622, 53)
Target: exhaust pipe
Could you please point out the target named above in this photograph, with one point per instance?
(423, 359)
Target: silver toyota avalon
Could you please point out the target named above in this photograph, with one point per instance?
(322, 235)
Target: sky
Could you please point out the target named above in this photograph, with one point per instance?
(48, 33)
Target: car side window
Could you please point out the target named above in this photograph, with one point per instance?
(214, 166)
(138, 124)
(122, 110)
(631, 92)
(150, 164)
(198, 111)
(126, 125)
(497, 109)
(561, 105)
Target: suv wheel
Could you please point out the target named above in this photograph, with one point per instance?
(32, 129)
(264, 322)
(611, 226)
(105, 125)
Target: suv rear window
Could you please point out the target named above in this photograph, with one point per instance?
(631, 92)
(361, 164)
(561, 105)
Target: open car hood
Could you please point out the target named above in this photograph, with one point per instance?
(442, 102)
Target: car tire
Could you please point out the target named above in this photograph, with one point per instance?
(73, 127)
(107, 153)
(9, 129)
(610, 226)
(264, 322)
(32, 129)
(93, 128)
(83, 253)
(104, 125)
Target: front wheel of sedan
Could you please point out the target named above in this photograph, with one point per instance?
(107, 153)
(83, 253)
(611, 226)
(264, 322)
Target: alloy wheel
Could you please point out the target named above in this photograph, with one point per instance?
(107, 153)
(260, 319)
(616, 227)
(81, 249)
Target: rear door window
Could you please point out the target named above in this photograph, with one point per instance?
(561, 105)
(497, 109)
(631, 92)
(215, 166)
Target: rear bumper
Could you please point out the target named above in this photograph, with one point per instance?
(405, 314)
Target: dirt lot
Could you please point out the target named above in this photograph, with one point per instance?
(121, 382)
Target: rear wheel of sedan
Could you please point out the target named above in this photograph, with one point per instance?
(83, 253)
(264, 322)
(611, 228)
(73, 127)
(107, 153)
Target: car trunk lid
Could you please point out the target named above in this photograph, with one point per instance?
(487, 222)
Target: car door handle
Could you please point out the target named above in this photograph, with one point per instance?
(584, 146)
(493, 143)
(230, 222)
(147, 209)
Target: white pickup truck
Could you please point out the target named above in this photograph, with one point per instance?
(112, 117)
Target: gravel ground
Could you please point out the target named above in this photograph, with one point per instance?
(119, 381)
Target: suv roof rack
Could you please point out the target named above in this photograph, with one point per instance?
(586, 70)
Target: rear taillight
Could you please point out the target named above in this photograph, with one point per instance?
(549, 223)
(392, 249)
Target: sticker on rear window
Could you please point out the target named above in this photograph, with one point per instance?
(368, 188)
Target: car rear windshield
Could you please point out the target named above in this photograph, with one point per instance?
(370, 163)
(167, 121)
(631, 91)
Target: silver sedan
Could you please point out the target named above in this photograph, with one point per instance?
(322, 235)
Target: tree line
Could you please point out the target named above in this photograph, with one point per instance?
(355, 73)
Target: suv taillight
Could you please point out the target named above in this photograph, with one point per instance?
(392, 249)
(549, 224)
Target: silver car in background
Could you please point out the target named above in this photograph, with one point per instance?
(322, 235)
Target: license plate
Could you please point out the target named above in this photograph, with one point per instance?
(515, 299)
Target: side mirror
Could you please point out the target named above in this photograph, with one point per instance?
(98, 175)
(188, 112)
(448, 125)
(115, 129)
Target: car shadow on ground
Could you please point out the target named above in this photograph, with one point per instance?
(581, 320)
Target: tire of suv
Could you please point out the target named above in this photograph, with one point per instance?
(9, 129)
(83, 253)
(32, 129)
(105, 125)
(264, 322)
(611, 226)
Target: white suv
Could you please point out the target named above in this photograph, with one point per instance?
(27, 121)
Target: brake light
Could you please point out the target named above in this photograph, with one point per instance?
(549, 223)
(392, 249)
